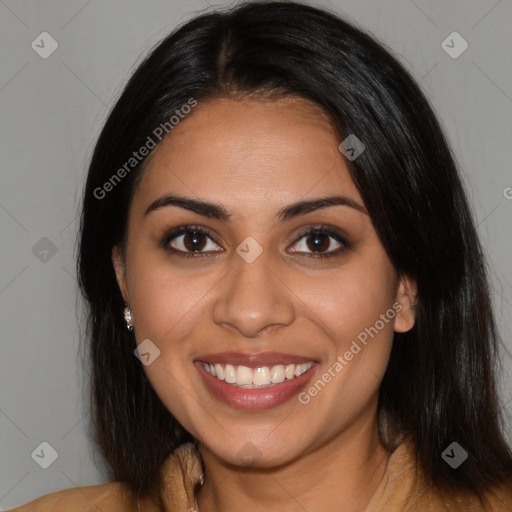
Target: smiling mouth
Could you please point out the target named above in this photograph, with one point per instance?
(240, 376)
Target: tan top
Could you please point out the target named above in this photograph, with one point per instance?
(402, 489)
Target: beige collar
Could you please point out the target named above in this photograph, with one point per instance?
(182, 474)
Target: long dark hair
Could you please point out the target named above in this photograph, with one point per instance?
(440, 384)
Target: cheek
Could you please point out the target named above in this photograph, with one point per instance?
(350, 301)
(167, 302)
(347, 307)
(167, 307)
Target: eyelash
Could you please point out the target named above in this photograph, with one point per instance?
(312, 230)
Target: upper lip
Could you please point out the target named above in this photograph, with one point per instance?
(253, 359)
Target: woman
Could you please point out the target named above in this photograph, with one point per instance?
(288, 303)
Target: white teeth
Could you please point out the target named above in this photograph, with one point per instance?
(243, 375)
(289, 371)
(229, 374)
(219, 371)
(277, 373)
(263, 376)
(301, 368)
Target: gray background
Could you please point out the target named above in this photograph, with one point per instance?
(51, 111)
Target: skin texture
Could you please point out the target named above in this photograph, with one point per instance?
(256, 157)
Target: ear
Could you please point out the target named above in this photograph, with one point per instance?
(120, 269)
(406, 298)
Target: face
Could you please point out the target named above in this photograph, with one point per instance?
(256, 277)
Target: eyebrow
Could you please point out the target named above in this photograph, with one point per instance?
(220, 212)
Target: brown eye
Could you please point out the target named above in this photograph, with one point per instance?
(318, 243)
(194, 241)
(189, 241)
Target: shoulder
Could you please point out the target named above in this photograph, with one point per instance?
(405, 488)
(109, 497)
(179, 475)
(499, 499)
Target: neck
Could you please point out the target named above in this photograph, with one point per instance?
(345, 470)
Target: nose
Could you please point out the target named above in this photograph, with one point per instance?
(253, 298)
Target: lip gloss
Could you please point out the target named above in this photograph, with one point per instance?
(254, 399)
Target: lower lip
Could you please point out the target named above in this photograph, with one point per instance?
(257, 398)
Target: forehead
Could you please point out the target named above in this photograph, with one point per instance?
(254, 151)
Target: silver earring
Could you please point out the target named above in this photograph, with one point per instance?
(128, 317)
